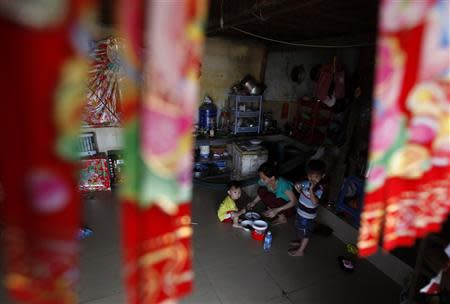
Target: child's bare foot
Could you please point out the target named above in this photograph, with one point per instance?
(295, 252)
(281, 219)
(237, 225)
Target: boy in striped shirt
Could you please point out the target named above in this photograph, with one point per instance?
(310, 192)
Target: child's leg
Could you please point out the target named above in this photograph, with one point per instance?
(236, 220)
(298, 234)
(304, 230)
(229, 217)
(303, 245)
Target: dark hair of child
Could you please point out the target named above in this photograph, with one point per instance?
(268, 169)
(234, 184)
(315, 166)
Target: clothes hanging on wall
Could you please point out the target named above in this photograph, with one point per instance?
(331, 83)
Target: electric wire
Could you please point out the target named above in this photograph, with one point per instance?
(300, 44)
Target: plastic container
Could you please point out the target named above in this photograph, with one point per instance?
(246, 163)
(260, 226)
(207, 115)
(257, 235)
(259, 229)
(268, 241)
(204, 151)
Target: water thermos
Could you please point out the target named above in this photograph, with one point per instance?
(207, 115)
(268, 241)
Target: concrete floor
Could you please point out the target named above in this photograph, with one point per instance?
(230, 267)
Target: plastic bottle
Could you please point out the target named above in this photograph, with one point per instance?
(268, 241)
(207, 115)
(305, 185)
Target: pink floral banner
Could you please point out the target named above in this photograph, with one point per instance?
(407, 192)
(94, 175)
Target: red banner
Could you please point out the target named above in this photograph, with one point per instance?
(407, 192)
(42, 79)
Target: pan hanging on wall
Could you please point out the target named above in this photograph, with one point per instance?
(298, 74)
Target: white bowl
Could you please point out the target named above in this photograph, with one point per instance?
(246, 223)
(260, 226)
(255, 141)
(252, 216)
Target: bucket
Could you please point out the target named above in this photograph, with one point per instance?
(259, 231)
(257, 236)
(260, 226)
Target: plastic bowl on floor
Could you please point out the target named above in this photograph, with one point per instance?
(252, 216)
(247, 225)
(255, 141)
(260, 226)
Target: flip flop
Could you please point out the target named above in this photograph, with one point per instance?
(84, 233)
(346, 264)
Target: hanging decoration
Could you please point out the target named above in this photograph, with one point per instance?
(94, 175)
(103, 107)
(156, 193)
(44, 68)
(407, 191)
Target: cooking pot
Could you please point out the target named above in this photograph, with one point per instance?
(252, 86)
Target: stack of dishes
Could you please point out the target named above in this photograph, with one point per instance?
(251, 217)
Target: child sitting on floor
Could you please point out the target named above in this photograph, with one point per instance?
(310, 192)
(228, 212)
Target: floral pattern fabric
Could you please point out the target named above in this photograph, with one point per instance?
(42, 83)
(158, 138)
(94, 175)
(102, 106)
(407, 192)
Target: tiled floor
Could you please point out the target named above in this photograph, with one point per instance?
(230, 267)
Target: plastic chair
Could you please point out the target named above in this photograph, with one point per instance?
(342, 202)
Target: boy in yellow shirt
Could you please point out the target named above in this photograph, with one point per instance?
(228, 211)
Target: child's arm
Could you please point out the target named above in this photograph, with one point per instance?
(241, 212)
(236, 216)
(312, 194)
